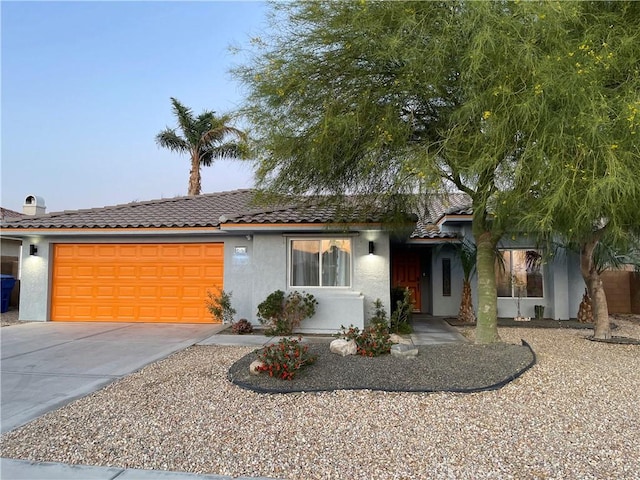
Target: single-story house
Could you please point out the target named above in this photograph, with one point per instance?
(154, 261)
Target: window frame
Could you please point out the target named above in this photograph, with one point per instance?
(318, 239)
(510, 273)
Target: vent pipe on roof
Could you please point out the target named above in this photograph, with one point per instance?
(34, 205)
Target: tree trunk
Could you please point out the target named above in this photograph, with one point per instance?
(487, 326)
(466, 313)
(585, 315)
(194, 176)
(601, 325)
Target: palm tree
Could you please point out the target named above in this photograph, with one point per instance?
(203, 138)
(467, 253)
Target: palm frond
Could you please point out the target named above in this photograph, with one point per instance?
(186, 122)
(222, 152)
(608, 257)
(170, 139)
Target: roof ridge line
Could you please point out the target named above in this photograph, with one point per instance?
(134, 203)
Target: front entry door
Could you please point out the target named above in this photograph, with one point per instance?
(406, 274)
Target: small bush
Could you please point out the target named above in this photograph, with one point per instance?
(271, 307)
(403, 328)
(380, 314)
(242, 326)
(283, 314)
(401, 315)
(373, 341)
(285, 358)
(219, 305)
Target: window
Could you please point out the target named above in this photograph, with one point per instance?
(321, 263)
(446, 277)
(519, 274)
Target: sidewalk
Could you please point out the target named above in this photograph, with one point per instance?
(25, 470)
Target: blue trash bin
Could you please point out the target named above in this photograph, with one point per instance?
(8, 282)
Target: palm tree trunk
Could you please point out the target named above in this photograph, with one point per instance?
(195, 186)
(466, 313)
(487, 326)
(601, 324)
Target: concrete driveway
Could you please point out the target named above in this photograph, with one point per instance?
(46, 365)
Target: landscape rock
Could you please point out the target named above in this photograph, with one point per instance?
(395, 338)
(255, 365)
(404, 351)
(343, 347)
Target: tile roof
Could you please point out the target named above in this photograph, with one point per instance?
(435, 206)
(195, 211)
(430, 231)
(6, 214)
(307, 213)
(234, 207)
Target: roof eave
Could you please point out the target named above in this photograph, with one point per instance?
(108, 231)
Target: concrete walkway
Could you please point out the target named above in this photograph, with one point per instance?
(47, 365)
(432, 331)
(426, 331)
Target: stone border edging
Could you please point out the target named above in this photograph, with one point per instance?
(496, 386)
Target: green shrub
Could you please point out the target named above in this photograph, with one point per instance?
(283, 314)
(373, 341)
(380, 314)
(401, 315)
(242, 326)
(219, 305)
(285, 358)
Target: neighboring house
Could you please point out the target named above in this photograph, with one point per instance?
(154, 262)
(10, 254)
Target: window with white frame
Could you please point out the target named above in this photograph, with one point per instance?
(322, 262)
(519, 274)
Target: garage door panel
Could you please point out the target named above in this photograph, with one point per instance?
(83, 291)
(128, 251)
(123, 311)
(83, 271)
(135, 282)
(170, 271)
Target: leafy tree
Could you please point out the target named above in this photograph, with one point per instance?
(407, 97)
(203, 138)
(589, 185)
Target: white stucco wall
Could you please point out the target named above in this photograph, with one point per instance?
(267, 271)
(562, 284)
(446, 306)
(34, 282)
(250, 277)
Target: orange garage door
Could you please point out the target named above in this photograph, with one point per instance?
(135, 282)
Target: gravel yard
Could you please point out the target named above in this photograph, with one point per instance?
(575, 414)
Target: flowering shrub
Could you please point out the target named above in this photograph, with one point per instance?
(242, 326)
(285, 358)
(372, 341)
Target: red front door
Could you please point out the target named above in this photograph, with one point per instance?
(406, 272)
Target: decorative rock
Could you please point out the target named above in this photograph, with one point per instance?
(253, 368)
(395, 338)
(404, 351)
(343, 347)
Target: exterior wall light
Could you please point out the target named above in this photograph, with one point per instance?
(371, 248)
(33, 249)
